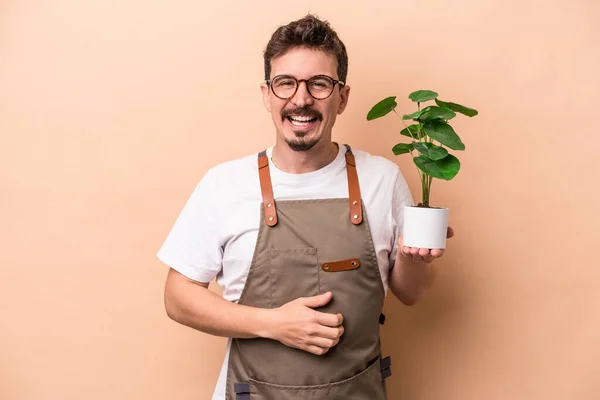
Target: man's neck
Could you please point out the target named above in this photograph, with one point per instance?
(300, 162)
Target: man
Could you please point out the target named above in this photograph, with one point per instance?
(303, 239)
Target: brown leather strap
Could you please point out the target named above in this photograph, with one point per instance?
(343, 265)
(356, 215)
(266, 189)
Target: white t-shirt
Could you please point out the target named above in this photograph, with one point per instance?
(215, 233)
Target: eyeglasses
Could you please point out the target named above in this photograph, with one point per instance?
(319, 87)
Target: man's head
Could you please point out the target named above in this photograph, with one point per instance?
(303, 110)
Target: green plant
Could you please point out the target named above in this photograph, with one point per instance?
(431, 136)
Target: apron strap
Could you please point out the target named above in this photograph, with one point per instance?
(356, 215)
(386, 368)
(266, 189)
(242, 391)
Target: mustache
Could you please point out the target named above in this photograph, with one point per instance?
(305, 111)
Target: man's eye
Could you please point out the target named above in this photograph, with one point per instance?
(285, 83)
(320, 85)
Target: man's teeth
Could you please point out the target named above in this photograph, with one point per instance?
(300, 120)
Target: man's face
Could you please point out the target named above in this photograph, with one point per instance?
(302, 121)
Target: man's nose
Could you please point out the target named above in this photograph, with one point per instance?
(302, 97)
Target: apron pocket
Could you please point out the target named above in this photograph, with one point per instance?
(294, 274)
(366, 385)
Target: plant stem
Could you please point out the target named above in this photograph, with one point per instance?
(425, 179)
(430, 179)
(414, 140)
(394, 110)
(424, 190)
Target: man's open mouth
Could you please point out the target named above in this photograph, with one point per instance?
(301, 120)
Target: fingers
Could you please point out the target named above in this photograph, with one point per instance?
(329, 319)
(330, 333)
(415, 253)
(324, 340)
(319, 351)
(316, 301)
(437, 252)
(421, 254)
(325, 343)
(304, 328)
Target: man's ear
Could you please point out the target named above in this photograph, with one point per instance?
(266, 96)
(344, 94)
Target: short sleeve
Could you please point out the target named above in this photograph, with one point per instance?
(193, 246)
(400, 197)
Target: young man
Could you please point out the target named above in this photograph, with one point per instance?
(303, 239)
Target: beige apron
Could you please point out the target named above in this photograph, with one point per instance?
(305, 248)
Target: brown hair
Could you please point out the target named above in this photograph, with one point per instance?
(309, 32)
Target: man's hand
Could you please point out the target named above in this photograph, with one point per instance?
(297, 325)
(422, 255)
(413, 271)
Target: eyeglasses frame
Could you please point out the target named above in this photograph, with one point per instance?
(299, 81)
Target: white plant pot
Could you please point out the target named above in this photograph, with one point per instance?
(425, 227)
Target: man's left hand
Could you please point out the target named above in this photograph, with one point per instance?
(420, 254)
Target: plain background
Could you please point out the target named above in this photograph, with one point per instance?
(111, 112)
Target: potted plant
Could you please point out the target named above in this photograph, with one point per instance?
(431, 136)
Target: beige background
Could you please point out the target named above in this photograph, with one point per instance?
(110, 112)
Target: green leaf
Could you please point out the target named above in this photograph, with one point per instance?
(469, 112)
(414, 130)
(422, 95)
(445, 169)
(382, 108)
(414, 116)
(443, 133)
(437, 153)
(433, 112)
(430, 150)
(402, 148)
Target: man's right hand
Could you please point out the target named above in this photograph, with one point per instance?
(297, 325)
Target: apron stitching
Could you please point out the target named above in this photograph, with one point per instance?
(372, 252)
(252, 271)
(318, 273)
(271, 280)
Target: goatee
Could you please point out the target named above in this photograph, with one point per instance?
(299, 144)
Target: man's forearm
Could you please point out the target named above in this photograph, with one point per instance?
(194, 305)
(410, 279)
